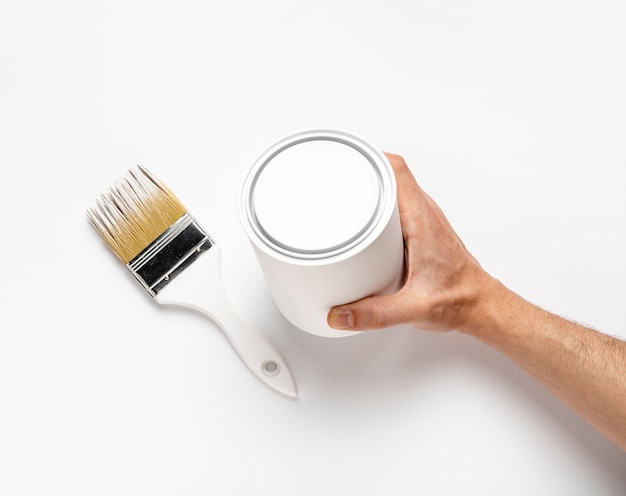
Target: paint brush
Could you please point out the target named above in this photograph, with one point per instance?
(178, 263)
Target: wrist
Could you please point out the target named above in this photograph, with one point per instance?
(489, 307)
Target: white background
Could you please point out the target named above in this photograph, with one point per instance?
(512, 115)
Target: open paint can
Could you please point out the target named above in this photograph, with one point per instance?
(320, 210)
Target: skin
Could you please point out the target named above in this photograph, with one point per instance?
(446, 289)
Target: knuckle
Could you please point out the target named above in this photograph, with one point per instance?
(378, 315)
(396, 160)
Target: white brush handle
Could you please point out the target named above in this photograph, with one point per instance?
(200, 288)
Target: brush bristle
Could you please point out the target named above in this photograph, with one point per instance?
(135, 211)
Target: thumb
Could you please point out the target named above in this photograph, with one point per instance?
(373, 312)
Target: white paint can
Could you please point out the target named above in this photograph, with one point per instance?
(320, 210)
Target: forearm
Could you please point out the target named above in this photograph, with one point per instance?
(584, 368)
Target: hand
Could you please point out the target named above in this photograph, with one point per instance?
(443, 280)
(445, 289)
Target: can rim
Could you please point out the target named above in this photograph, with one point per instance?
(383, 211)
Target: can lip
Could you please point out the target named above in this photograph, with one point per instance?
(383, 206)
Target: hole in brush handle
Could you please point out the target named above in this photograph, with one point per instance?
(270, 368)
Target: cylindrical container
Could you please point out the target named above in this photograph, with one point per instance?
(320, 210)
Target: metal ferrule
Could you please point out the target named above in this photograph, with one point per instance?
(169, 254)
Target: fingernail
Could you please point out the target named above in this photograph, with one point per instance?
(341, 318)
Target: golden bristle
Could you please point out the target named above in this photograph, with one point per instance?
(135, 211)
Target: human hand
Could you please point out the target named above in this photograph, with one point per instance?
(444, 283)
(445, 288)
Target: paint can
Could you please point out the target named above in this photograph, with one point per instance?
(320, 210)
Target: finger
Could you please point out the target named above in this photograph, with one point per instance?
(374, 312)
(405, 180)
(411, 198)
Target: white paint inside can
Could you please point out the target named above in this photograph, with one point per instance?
(316, 197)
